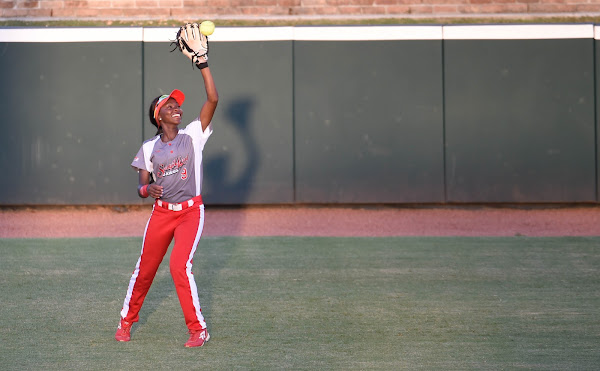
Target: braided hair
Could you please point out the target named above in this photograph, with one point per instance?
(151, 115)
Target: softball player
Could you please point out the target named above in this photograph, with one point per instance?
(173, 159)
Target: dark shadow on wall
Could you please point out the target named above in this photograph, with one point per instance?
(225, 185)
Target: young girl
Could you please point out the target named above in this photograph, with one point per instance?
(173, 158)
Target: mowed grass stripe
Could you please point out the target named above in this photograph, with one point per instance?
(310, 303)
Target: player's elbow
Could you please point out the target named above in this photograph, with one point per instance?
(213, 98)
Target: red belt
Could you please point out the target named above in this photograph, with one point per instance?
(180, 206)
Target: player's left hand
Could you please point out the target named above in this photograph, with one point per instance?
(192, 43)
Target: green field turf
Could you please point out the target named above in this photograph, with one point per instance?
(310, 303)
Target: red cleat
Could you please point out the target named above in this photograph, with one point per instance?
(197, 338)
(123, 331)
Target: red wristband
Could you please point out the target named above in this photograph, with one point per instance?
(144, 191)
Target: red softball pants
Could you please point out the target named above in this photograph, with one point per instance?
(185, 227)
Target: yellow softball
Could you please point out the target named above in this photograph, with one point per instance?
(207, 28)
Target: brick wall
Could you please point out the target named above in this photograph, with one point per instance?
(195, 9)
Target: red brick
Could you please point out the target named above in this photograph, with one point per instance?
(76, 4)
(212, 4)
(445, 9)
(21, 13)
(141, 12)
(299, 10)
(588, 8)
(121, 4)
(7, 4)
(397, 9)
(327, 10)
(63, 12)
(275, 10)
(371, 10)
(146, 3)
(397, 2)
(446, 2)
(552, 8)
(106, 12)
(304, 10)
(28, 4)
(240, 3)
(52, 4)
(308, 4)
(345, 3)
(251, 10)
(170, 3)
(199, 12)
(192, 3)
(74, 12)
(288, 3)
(493, 8)
(93, 4)
(350, 10)
(421, 9)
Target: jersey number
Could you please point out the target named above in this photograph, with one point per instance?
(184, 174)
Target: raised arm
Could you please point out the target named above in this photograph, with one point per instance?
(212, 98)
(194, 45)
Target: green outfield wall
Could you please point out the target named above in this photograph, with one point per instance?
(519, 118)
(348, 115)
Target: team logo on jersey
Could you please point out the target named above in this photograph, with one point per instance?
(173, 167)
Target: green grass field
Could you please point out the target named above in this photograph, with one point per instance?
(310, 303)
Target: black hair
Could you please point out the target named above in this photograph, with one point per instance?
(151, 115)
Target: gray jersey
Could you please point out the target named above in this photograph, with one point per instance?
(176, 165)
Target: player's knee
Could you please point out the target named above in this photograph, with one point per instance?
(177, 267)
